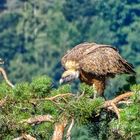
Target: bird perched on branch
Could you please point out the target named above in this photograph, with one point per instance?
(93, 64)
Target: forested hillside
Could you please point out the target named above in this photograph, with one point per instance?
(35, 34)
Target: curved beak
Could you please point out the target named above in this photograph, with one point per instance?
(69, 76)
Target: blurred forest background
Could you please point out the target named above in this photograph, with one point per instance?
(34, 34)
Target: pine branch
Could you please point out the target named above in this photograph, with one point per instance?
(38, 119)
(115, 109)
(59, 129)
(122, 96)
(53, 97)
(112, 104)
(69, 129)
(125, 102)
(118, 99)
(59, 95)
(25, 137)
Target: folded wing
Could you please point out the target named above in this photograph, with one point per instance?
(105, 61)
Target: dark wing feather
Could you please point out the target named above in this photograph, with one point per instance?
(105, 61)
(80, 51)
(76, 53)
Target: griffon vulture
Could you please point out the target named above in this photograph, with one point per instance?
(93, 64)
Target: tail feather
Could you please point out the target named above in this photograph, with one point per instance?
(129, 68)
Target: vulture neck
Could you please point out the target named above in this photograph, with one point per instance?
(97, 81)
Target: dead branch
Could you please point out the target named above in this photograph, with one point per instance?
(59, 129)
(69, 129)
(59, 95)
(5, 77)
(53, 98)
(118, 99)
(125, 102)
(112, 104)
(122, 96)
(25, 137)
(38, 119)
(115, 109)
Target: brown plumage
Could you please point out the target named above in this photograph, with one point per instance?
(93, 64)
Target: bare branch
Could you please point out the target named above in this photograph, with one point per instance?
(116, 110)
(112, 104)
(122, 96)
(59, 95)
(53, 97)
(59, 129)
(5, 77)
(25, 137)
(38, 119)
(18, 138)
(125, 102)
(69, 129)
(118, 99)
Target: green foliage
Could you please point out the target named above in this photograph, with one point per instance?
(47, 107)
(41, 86)
(84, 108)
(88, 90)
(5, 90)
(22, 91)
(136, 89)
(35, 34)
(43, 131)
(33, 37)
(62, 90)
(19, 106)
(27, 100)
(129, 125)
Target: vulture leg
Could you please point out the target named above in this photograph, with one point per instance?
(99, 84)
